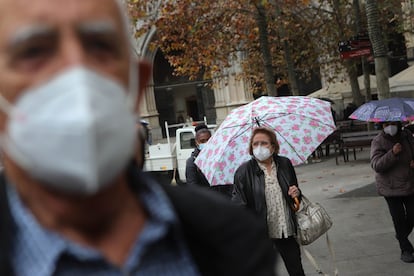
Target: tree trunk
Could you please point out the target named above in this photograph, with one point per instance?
(353, 78)
(380, 50)
(367, 80)
(349, 64)
(265, 49)
(293, 82)
(365, 69)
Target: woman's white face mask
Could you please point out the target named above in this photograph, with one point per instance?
(75, 133)
(262, 153)
(391, 130)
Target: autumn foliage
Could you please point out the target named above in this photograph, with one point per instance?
(204, 38)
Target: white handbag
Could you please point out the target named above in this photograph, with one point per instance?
(313, 221)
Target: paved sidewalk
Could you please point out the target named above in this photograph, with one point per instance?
(362, 234)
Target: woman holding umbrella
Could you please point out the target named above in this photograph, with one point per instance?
(392, 159)
(267, 185)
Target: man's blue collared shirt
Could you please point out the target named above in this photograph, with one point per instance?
(160, 248)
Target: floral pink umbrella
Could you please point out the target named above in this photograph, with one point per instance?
(301, 124)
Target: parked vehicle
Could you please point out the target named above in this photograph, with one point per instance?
(168, 160)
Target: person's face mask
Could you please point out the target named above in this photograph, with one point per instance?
(201, 146)
(74, 133)
(391, 130)
(261, 153)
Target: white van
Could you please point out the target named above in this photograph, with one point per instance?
(170, 158)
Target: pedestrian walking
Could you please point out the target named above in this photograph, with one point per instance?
(267, 185)
(193, 174)
(72, 202)
(393, 161)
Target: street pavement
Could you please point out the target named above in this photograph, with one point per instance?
(362, 234)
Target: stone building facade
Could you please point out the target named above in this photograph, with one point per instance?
(172, 99)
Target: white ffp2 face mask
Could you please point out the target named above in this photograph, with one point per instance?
(74, 133)
(261, 153)
(391, 130)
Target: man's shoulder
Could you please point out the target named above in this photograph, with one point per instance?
(192, 157)
(220, 233)
(190, 160)
(199, 200)
(204, 210)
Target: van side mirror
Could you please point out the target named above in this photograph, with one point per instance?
(192, 142)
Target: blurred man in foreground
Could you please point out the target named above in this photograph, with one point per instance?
(70, 202)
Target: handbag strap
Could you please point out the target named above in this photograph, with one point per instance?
(333, 256)
(312, 260)
(305, 200)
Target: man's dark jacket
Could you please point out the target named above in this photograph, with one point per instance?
(249, 186)
(222, 239)
(193, 175)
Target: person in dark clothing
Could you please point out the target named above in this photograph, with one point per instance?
(392, 158)
(350, 108)
(193, 174)
(267, 185)
(410, 127)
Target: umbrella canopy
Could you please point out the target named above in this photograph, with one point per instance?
(387, 110)
(301, 124)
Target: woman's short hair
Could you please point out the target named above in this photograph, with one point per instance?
(267, 131)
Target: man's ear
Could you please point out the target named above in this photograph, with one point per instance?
(144, 74)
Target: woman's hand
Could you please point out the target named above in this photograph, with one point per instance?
(293, 191)
(397, 148)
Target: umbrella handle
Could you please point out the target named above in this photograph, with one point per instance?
(296, 205)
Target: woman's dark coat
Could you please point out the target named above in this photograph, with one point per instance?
(249, 186)
(394, 177)
(193, 174)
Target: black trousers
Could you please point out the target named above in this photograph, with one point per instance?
(402, 213)
(289, 250)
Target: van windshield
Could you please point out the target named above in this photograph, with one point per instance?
(185, 138)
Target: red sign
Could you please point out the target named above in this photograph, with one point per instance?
(360, 43)
(356, 53)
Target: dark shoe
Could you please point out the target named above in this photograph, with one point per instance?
(407, 257)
